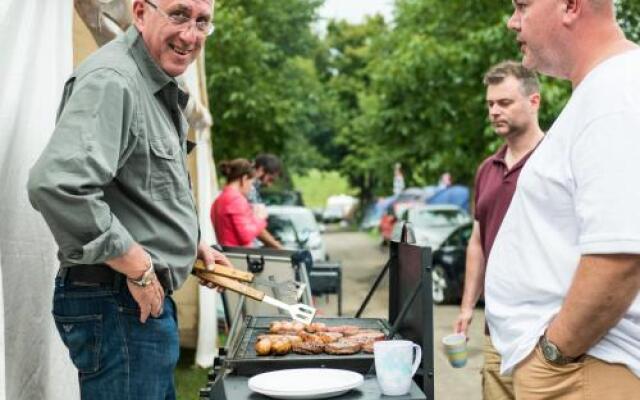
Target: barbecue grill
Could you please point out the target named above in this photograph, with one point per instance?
(242, 359)
(410, 311)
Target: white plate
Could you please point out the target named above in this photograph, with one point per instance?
(305, 383)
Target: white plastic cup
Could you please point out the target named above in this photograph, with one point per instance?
(455, 345)
(396, 363)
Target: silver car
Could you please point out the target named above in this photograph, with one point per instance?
(296, 228)
(431, 224)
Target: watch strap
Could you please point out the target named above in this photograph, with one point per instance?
(146, 278)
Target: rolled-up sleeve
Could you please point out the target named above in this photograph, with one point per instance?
(66, 184)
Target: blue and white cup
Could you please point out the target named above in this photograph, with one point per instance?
(455, 346)
(396, 363)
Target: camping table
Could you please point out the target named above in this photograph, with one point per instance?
(233, 387)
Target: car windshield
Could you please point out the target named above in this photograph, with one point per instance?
(424, 218)
(286, 226)
(282, 228)
(303, 222)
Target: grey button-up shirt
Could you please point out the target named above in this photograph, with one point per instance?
(114, 171)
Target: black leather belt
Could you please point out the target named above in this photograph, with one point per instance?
(90, 274)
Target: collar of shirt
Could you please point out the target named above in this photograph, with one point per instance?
(499, 159)
(153, 75)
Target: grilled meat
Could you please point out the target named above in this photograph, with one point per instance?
(274, 337)
(316, 327)
(285, 336)
(367, 336)
(342, 347)
(309, 347)
(368, 347)
(346, 330)
(263, 347)
(286, 327)
(329, 337)
(281, 347)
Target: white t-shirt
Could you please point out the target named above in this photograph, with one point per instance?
(578, 194)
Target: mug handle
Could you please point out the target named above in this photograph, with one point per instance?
(418, 359)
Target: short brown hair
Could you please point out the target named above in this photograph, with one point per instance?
(236, 169)
(527, 78)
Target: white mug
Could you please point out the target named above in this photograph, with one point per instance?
(396, 363)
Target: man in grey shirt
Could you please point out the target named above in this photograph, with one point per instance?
(112, 184)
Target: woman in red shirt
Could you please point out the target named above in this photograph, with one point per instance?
(232, 216)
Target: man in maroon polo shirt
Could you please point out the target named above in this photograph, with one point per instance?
(513, 100)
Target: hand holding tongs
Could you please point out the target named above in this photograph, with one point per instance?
(231, 279)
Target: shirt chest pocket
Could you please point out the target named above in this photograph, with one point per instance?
(168, 178)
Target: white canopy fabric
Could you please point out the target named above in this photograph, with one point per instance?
(2, 383)
(36, 56)
(205, 189)
(35, 59)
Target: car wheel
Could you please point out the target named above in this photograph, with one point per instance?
(442, 289)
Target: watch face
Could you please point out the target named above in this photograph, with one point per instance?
(549, 352)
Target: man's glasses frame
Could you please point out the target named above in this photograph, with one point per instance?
(205, 28)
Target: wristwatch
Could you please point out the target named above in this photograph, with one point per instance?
(147, 278)
(552, 354)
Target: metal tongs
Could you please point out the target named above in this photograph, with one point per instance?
(286, 289)
(232, 279)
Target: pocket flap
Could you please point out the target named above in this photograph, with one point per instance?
(163, 148)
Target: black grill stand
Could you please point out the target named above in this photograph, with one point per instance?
(413, 320)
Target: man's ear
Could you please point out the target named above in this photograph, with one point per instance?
(571, 10)
(534, 100)
(138, 10)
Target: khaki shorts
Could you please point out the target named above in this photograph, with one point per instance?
(494, 385)
(590, 379)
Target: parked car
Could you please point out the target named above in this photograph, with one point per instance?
(281, 197)
(409, 198)
(296, 228)
(374, 212)
(449, 266)
(333, 213)
(431, 224)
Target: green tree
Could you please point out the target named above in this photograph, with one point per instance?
(264, 92)
(349, 50)
(426, 104)
(629, 17)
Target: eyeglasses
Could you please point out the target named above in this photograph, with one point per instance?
(182, 21)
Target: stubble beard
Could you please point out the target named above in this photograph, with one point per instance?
(512, 132)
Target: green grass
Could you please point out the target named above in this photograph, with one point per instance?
(189, 378)
(316, 187)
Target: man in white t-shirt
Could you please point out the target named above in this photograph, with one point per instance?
(564, 272)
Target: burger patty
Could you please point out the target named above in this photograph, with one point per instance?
(367, 336)
(346, 330)
(368, 347)
(310, 347)
(316, 327)
(342, 347)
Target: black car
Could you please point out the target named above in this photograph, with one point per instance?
(449, 265)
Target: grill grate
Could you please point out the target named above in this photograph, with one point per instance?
(244, 360)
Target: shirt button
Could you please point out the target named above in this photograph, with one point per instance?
(75, 255)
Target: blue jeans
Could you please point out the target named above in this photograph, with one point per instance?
(117, 357)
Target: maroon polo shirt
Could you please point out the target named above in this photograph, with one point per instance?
(494, 188)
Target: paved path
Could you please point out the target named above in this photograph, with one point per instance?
(362, 259)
